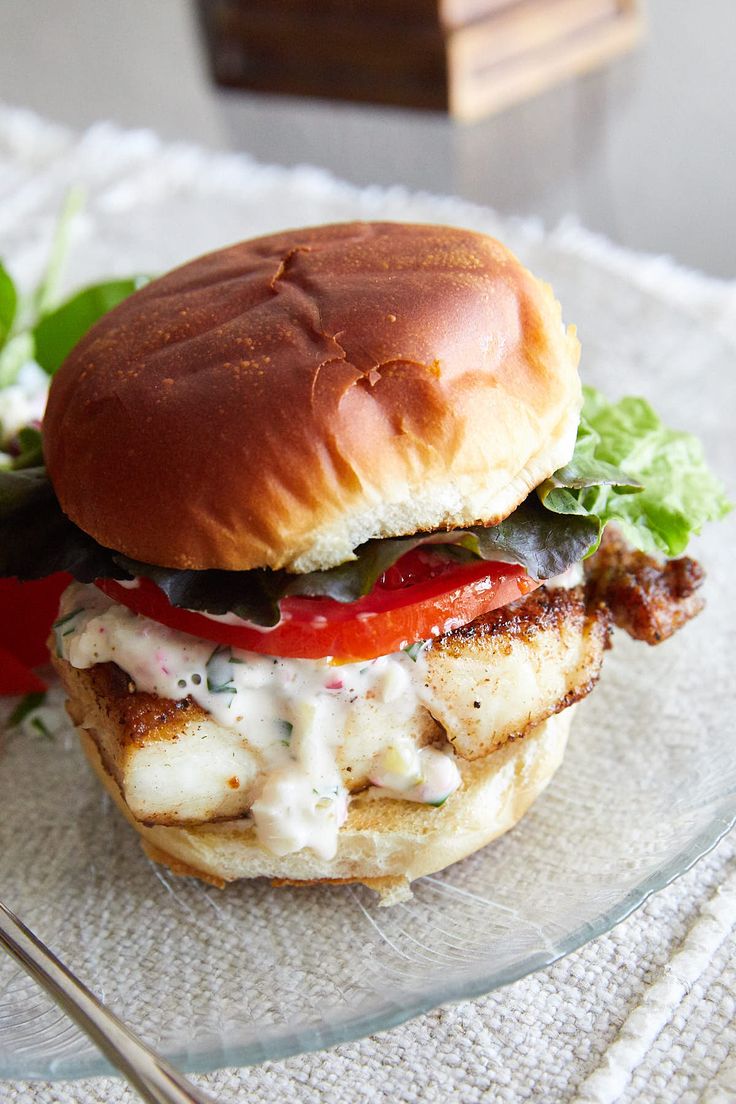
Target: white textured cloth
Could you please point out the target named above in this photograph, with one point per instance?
(645, 1012)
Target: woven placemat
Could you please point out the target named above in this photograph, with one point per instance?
(645, 1012)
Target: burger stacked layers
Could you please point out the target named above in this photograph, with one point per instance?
(325, 496)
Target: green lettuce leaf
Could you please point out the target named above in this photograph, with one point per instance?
(58, 331)
(630, 468)
(8, 304)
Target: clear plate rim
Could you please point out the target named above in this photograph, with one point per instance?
(290, 1043)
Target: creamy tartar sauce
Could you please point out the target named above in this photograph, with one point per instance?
(573, 577)
(294, 713)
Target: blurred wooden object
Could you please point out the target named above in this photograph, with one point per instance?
(466, 57)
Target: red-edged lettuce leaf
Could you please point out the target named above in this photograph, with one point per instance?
(253, 595)
(620, 448)
(546, 544)
(37, 539)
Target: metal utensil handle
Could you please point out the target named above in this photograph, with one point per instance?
(153, 1077)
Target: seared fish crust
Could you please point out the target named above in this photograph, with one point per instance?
(649, 598)
(488, 682)
(498, 677)
(484, 684)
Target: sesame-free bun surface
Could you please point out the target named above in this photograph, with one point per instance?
(281, 401)
(384, 843)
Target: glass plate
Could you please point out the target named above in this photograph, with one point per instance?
(233, 977)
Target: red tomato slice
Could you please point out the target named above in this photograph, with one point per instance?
(396, 613)
(27, 611)
(16, 678)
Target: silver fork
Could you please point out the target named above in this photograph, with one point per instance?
(153, 1077)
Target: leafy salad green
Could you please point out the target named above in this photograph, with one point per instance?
(37, 331)
(660, 490)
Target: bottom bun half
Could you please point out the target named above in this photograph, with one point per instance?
(385, 843)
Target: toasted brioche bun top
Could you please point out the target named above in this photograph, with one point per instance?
(277, 403)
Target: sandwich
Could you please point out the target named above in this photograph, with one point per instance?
(347, 541)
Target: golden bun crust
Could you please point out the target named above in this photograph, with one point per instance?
(281, 401)
(384, 843)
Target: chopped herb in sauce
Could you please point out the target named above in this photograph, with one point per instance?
(220, 672)
(64, 627)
